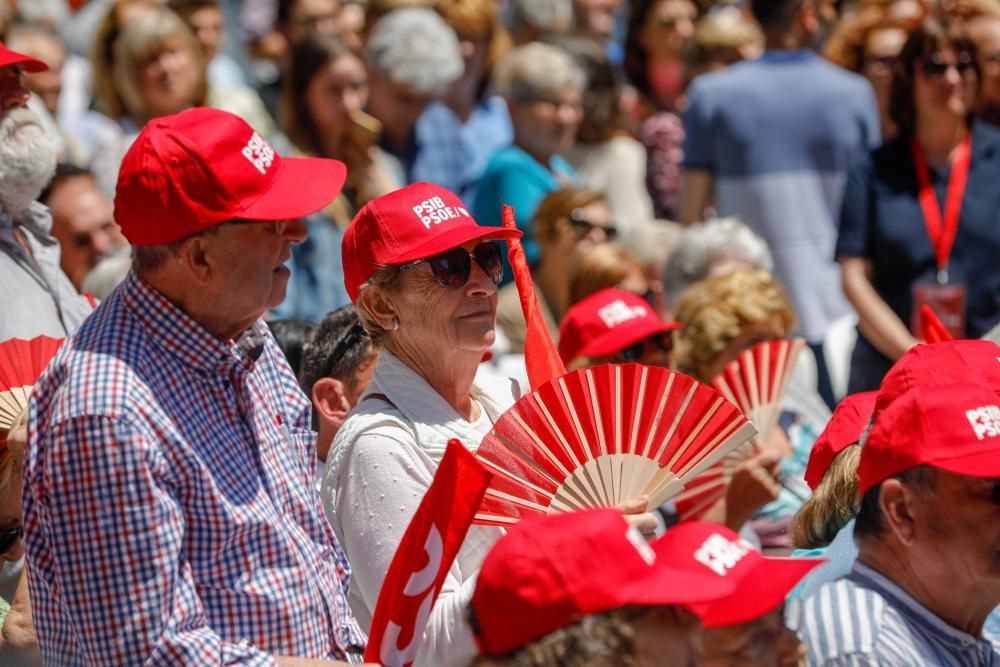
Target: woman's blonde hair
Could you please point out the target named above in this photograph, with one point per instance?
(139, 43)
(717, 310)
(846, 46)
(602, 266)
(834, 502)
(102, 56)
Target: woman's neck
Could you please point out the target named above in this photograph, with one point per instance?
(461, 97)
(542, 158)
(450, 375)
(553, 282)
(939, 137)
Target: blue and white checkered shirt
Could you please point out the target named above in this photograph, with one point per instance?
(170, 515)
(864, 619)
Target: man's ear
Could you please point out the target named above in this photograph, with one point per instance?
(899, 507)
(195, 254)
(329, 398)
(808, 17)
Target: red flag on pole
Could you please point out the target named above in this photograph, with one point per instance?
(541, 357)
(425, 554)
(931, 326)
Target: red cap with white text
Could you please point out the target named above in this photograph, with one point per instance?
(189, 172)
(415, 222)
(550, 572)
(844, 429)
(606, 322)
(760, 583)
(953, 427)
(29, 64)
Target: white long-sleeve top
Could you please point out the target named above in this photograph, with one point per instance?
(380, 465)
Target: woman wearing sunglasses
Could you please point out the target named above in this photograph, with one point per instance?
(423, 276)
(614, 326)
(919, 220)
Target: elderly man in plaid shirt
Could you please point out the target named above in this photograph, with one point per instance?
(170, 517)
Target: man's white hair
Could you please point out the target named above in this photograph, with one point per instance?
(547, 16)
(535, 71)
(27, 159)
(704, 243)
(415, 47)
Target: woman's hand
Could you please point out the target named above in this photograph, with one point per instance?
(637, 516)
(753, 485)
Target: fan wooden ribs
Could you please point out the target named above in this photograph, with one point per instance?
(602, 436)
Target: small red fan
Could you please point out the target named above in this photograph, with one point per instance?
(755, 382)
(21, 362)
(601, 436)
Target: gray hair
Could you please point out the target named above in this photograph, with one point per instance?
(536, 70)
(415, 47)
(704, 243)
(542, 15)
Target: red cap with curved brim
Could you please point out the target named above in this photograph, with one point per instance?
(550, 572)
(415, 222)
(189, 172)
(844, 429)
(606, 322)
(953, 427)
(760, 584)
(8, 57)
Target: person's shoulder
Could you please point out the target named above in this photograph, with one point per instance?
(510, 157)
(985, 137)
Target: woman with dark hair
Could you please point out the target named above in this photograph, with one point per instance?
(919, 222)
(325, 93)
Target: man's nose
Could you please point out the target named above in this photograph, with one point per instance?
(295, 230)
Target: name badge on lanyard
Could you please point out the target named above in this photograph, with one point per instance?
(945, 298)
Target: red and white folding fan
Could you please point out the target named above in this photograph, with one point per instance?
(21, 362)
(755, 382)
(601, 436)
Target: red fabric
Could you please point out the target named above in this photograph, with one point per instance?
(942, 231)
(931, 327)
(8, 57)
(844, 429)
(411, 223)
(954, 427)
(540, 354)
(424, 556)
(188, 172)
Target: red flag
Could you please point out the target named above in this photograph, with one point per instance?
(424, 556)
(541, 357)
(931, 326)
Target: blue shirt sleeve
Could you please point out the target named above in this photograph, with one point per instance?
(857, 210)
(698, 153)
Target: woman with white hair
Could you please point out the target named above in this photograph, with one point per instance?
(543, 88)
(713, 248)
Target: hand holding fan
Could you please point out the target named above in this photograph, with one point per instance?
(21, 362)
(755, 382)
(601, 436)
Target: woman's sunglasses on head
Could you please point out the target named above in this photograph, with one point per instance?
(453, 267)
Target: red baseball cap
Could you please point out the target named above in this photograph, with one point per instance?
(606, 322)
(547, 573)
(946, 362)
(844, 429)
(8, 57)
(415, 222)
(954, 427)
(760, 583)
(188, 172)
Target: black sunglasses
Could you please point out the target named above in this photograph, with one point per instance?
(936, 66)
(663, 342)
(453, 267)
(8, 536)
(582, 226)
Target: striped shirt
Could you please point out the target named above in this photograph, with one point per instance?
(170, 514)
(865, 619)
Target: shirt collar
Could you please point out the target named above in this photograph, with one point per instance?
(177, 333)
(911, 607)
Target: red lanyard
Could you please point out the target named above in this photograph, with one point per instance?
(942, 233)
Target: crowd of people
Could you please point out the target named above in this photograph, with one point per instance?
(270, 236)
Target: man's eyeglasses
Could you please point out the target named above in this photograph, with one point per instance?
(582, 226)
(662, 342)
(8, 536)
(452, 268)
(936, 67)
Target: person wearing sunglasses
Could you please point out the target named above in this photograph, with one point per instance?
(567, 224)
(918, 223)
(614, 326)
